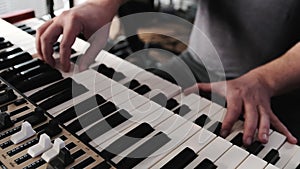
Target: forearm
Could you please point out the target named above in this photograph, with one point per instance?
(283, 73)
(111, 6)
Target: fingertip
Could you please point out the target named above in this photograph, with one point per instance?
(264, 138)
(224, 133)
(291, 139)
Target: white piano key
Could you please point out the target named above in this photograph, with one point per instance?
(187, 99)
(294, 161)
(137, 119)
(275, 141)
(232, 158)
(286, 152)
(177, 137)
(177, 133)
(209, 110)
(196, 143)
(42, 146)
(237, 128)
(270, 166)
(196, 109)
(212, 151)
(25, 133)
(153, 115)
(253, 162)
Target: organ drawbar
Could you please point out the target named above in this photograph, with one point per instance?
(113, 115)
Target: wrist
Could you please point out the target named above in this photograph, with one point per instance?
(266, 81)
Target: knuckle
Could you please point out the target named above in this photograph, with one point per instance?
(251, 128)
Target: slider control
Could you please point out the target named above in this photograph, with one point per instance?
(54, 151)
(43, 145)
(5, 121)
(25, 133)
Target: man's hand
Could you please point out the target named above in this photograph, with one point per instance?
(86, 18)
(248, 95)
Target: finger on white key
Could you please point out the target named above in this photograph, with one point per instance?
(232, 158)
(253, 162)
(275, 141)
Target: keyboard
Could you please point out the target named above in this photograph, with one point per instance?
(113, 115)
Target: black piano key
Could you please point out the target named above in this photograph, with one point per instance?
(255, 147)
(144, 151)
(1, 39)
(14, 59)
(20, 67)
(7, 95)
(3, 86)
(62, 97)
(109, 72)
(206, 164)
(126, 141)
(19, 77)
(238, 140)
(5, 44)
(80, 108)
(104, 126)
(160, 99)
(20, 25)
(91, 117)
(25, 28)
(182, 110)
(39, 80)
(102, 165)
(215, 128)
(19, 102)
(37, 117)
(56, 48)
(9, 51)
(30, 31)
(52, 129)
(84, 163)
(132, 84)
(171, 104)
(272, 156)
(142, 89)
(181, 160)
(51, 90)
(298, 167)
(202, 120)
